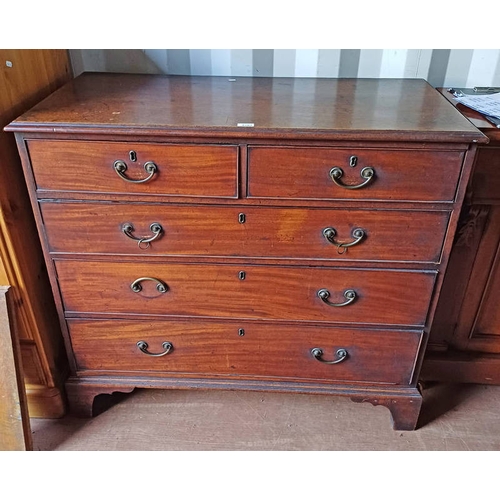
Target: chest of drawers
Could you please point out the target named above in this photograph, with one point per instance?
(249, 233)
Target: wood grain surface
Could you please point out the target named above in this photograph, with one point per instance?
(278, 292)
(400, 175)
(464, 343)
(196, 170)
(371, 109)
(30, 77)
(485, 181)
(15, 432)
(216, 348)
(248, 148)
(285, 233)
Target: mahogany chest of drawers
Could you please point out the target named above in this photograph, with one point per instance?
(248, 233)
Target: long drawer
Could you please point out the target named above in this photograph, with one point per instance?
(309, 173)
(244, 291)
(105, 228)
(245, 349)
(164, 169)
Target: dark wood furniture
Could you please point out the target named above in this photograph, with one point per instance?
(464, 344)
(249, 233)
(26, 77)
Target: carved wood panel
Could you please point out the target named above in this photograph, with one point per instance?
(478, 325)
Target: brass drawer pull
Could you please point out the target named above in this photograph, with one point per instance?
(318, 353)
(143, 347)
(357, 233)
(137, 287)
(121, 167)
(324, 295)
(367, 173)
(144, 242)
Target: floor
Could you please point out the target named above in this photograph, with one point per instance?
(453, 418)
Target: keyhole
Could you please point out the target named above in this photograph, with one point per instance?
(241, 332)
(242, 275)
(242, 218)
(132, 155)
(353, 161)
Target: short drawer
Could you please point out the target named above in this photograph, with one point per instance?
(144, 168)
(244, 291)
(245, 350)
(322, 234)
(328, 173)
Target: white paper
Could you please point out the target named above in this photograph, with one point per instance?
(488, 104)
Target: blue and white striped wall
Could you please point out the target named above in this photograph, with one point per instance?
(440, 67)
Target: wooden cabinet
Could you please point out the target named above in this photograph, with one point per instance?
(15, 430)
(26, 77)
(256, 234)
(464, 344)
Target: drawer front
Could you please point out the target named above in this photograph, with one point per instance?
(387, 235)
(217, 348)
(181, 170)
(262, 292)
(304, 173)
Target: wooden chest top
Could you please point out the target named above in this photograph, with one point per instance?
(343, 109)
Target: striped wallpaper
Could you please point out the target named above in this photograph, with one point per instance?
(440, 67)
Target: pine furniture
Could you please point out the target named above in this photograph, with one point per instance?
(26, 77)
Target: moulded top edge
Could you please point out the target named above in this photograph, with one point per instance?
(256, 133)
